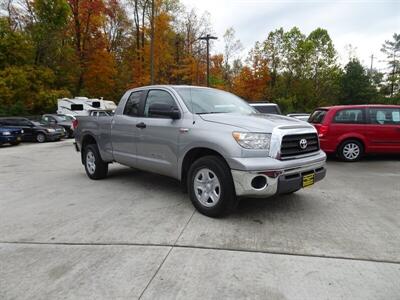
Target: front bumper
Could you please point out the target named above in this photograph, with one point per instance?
(4, 139)
(285, 179)
(53, 136)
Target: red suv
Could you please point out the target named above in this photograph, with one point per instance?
(352, 130)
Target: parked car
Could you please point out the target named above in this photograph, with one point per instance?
(266, 107)
(100, 113)
(215, 143)
(34, 131)
(10, 135)
(61, 120)
(300, 116)
(354, 130)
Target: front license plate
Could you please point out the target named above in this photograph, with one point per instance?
(308, 180)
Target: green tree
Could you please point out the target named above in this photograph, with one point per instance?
(392, 51)
(16, 48)
(28, 89)
(356, 87)
(51, 19)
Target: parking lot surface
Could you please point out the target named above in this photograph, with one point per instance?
(136, 235)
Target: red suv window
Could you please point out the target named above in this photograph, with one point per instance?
(384, 116)
(318, 116)
(349, 116)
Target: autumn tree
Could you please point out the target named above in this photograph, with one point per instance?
(86, 22)
(252, 81)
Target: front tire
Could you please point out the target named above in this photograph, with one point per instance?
(40, 137)
(350, 151)
(210, 186)
(95, 167)
(15, 143)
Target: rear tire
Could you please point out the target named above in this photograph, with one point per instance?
(95, 167)
(211, 187)
(351, 150)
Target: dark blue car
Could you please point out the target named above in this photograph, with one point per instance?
(9, 135)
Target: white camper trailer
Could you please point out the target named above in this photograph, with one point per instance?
(82, 106)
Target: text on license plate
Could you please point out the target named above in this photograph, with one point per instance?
(308, 179)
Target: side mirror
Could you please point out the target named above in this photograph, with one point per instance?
(164, 110)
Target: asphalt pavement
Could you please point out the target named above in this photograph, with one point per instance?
(136, 235)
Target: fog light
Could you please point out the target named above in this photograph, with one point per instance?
(259, 182)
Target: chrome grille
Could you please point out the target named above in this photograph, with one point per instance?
(291, 144)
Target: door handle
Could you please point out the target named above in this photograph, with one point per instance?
(141, 125)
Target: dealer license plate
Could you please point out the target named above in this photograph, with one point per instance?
(308, 180)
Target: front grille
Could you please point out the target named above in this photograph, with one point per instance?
(291, 144)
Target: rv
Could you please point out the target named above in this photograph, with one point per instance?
(83, 106)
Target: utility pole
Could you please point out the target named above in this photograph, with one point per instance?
(372, 63)
(152, 44)
(393, 73)
(207, 38)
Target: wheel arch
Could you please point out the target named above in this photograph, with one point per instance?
(192, 155)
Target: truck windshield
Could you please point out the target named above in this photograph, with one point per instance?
(212, 101)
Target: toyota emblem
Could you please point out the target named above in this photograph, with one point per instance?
(303, 144)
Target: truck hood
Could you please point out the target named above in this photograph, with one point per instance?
(254, 122)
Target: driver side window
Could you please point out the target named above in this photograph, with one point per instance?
(158, 96)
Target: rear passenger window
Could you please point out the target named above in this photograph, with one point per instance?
(132, 105)
(384, 116)
(349, 116)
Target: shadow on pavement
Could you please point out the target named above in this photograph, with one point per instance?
(252, 206)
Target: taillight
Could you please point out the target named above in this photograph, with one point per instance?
(322, 130)
(74, 124)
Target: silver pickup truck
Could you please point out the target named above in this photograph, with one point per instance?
(217, 145)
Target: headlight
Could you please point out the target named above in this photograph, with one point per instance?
(50, 130)
(251, 140)
(6, 133)
(22, 131)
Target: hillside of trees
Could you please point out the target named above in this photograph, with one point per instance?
(99, 48)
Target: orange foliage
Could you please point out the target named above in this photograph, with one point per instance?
(217, 72)
(100, 74)
(252, 81)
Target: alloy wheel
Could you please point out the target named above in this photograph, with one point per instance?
(351, 151)
(90, 162)
(207, 187)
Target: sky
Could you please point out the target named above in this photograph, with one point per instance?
(365, 24)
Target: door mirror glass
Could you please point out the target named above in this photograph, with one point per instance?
(164, 110)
